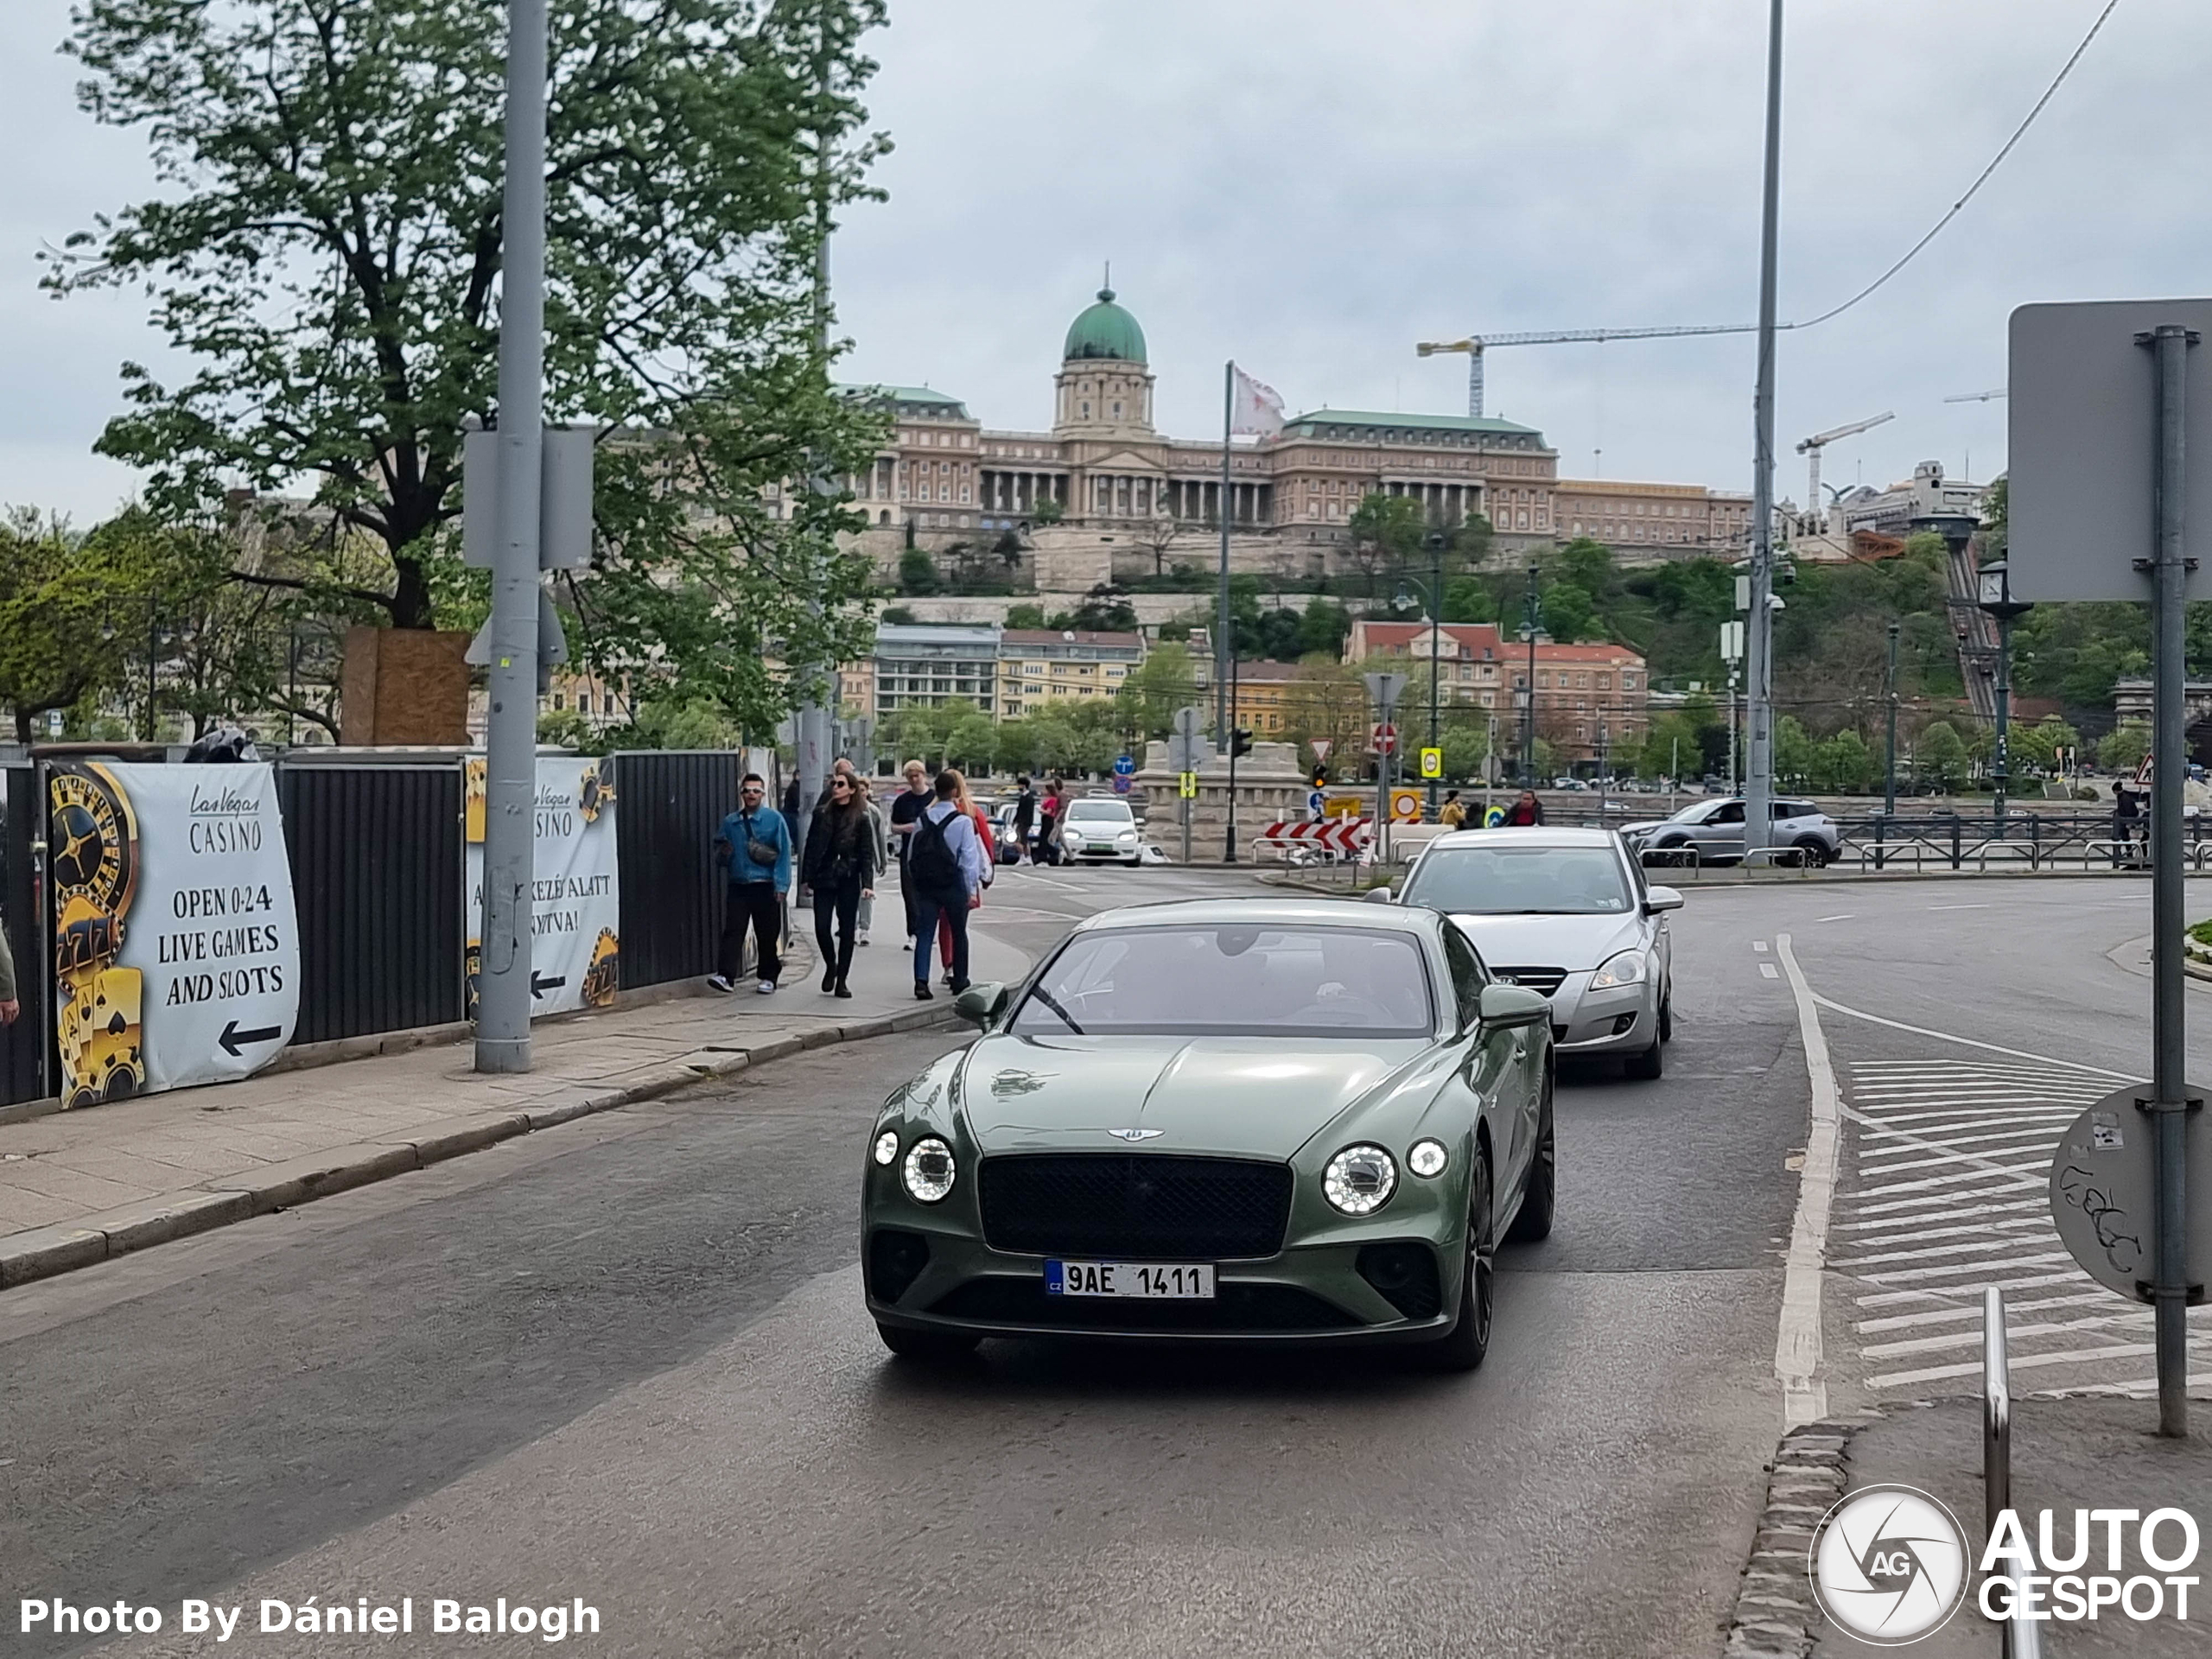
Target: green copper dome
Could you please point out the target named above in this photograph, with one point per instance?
(1106, 330)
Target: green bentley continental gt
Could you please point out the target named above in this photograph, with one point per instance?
(1246, 1119)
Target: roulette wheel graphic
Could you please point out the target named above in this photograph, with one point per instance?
(92, 835)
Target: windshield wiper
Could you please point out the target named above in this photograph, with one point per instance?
(1046, 997)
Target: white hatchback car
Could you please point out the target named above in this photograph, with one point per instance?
(1567, 912)
(1101, 827)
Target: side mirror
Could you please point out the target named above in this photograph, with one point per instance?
(1659, 898)
(1381, 895)
(980, 1004)
(1506, 1005)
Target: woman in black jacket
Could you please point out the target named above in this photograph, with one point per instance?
(840, 866)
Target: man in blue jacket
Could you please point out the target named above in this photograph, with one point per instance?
(755, 848)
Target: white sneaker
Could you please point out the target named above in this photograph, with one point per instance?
(716, 983)
(766, 988)
(860, 938)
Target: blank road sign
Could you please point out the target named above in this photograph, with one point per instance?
(2084, 448)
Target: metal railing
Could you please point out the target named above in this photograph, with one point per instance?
(2020, 1638)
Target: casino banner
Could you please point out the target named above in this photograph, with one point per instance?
(176, 954)
(576, 909)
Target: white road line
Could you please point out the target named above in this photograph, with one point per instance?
(1969, 1042)
(1957, 906)
(1845, 916)
(2033, 1281)
(1888, 1223)
(2021, 1363)
(1937, 1316)
(1890, 1207)
(2140, 1321)
(1797, 1339)
(1923, 1275)
(1967, 1247)
(1758, 944)
(2028, 1177)
(1766, 971)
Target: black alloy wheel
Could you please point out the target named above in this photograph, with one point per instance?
(1462, 1347)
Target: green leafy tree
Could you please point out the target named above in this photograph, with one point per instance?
(1940, 755)
(324, 252)
(70, 607)
(917, 573)
(1385, 532)
(1569, 612)
(1844, 765)
(1163, 682)
(1025, 615)
(1794, 753)
(2124, 746)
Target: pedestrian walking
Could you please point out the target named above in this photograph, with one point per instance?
(945, 862)
(905, 812)
(880, 827)
(1025, 816)
(840, 869)
(754, 848)
(8, 1007)
(1453, 815)
(2127, 819)
(1525, 811)
(1048, 823)
(974, 813)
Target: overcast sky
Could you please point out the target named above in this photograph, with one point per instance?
(1312, 185)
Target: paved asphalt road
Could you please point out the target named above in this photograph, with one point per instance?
(625, 1359)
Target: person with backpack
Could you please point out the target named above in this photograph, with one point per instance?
(840, 868)
(968, 806)
(945, 866)
(755, 849)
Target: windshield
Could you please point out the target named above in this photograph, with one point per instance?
(1232, 981)
(1083, 809)
(1695, 813)
(1521, 880)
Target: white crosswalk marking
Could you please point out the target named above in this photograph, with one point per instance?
(1947, 1161)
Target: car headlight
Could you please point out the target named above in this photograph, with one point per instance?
(1626, 969)
(929, 1171)
(886, 1147)
(1360, 1180)
(1127, 835)
(1427, 1157)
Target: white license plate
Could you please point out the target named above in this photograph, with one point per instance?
(1164, 1280)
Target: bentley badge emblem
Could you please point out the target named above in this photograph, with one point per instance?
(1136, 1135)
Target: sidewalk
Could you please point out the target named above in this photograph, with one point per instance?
(77, 1187)
(2079, 1451)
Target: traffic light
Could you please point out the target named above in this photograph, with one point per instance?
(1320, 776)
(1240, 740)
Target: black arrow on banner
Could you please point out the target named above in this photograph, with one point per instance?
(539, 983)
(232, 1037)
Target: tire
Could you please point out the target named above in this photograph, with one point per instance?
(1679, 845)
(1667, 1016)
(1461, 1348)
(1814, 849)
(927, 1347)
(1650, 1065)
(1539, 1191)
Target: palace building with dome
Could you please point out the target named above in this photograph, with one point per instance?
(1105, 493)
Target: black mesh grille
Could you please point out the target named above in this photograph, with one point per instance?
(1234, 1307)
(1545, 980)
(1405, 1274)
(1134, 1206)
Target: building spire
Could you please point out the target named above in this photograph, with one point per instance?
(1106, 288)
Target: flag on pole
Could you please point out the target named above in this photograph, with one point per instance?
(1256, 408)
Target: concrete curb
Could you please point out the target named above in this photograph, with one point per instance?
(44, 1252)
(1776, 1616)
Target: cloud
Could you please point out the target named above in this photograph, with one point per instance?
(1310, 187)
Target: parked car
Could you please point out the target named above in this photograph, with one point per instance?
(1100, 827)
(1009, 848)
(1567, 912)
(1119, 1156)
(1712, 831)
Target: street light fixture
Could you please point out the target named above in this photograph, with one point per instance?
(1993, 594)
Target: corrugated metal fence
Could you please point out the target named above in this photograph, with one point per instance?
(377, 860)
(668, 807)
(23, 1045)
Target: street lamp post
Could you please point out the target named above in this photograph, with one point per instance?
(1994, 595)
(1890, 698)
(1532, 614)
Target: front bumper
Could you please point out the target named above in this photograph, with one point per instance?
(1622, 1019)
(1306, 1294)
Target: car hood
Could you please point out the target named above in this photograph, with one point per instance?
(1256, 1096)
(1575, 943)
(1645, 826)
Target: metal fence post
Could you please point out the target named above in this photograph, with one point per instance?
(1957, 859)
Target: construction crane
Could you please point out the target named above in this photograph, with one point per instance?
(1475, 344)
(1979, 396)
(1811, 448)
